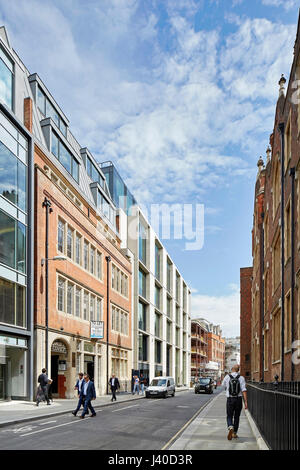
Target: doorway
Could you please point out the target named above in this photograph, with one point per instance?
(54, 373)
(2, 383)
(89, 366)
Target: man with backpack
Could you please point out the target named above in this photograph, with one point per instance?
(235, 386)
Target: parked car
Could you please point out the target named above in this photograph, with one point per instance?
(204, 384)
(161, 387)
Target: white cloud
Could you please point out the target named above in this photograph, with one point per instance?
(221, 310)
(286, 4)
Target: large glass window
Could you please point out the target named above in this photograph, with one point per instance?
(70, 298)
(143, 347)
(61, 236)
(6, 79)
(158, 352)
(142, 283)
(157, 324)
(70, 243)
(12, 304)
(61, 294)
(60, 151)
(78, 248)
(12, 242)
(12, 178)
(157, 262)
(157, 297)
(142, 317)
(142, 243)
(48, 110)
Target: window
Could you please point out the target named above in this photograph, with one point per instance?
(99, 265)
(13, 181)
(157, 261)
(169, 276)
(70, 233)
(177, 288)
(85, 305)
(78, 248)
(142, 317)
(276, 336)
(142, 283)
(288, 143)
(61, 152)
(6, 79)
(157, 297)
(78, 302)
(157, 352)
(287, 227)
(12, 242)
(61, 295)
(169, 332)
(142, 243)
(70, 294)
(12, 304)
(169, 307)
(92, 260)
(287, 323)
(61, 236)
(276, 185)
(92, 307)
(86, 255)
(93, 173)
(143, 347)
(157, 324)
(119, 281)
(276, 263)
(266, 349)
(99, 310)
(48, 110)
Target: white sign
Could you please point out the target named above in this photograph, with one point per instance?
(97, 329)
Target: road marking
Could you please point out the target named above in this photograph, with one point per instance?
(126, 407)
(182, 406)
(51, 427)
(48, 422)
(185, 425)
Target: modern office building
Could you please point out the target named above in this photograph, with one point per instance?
(16, 234)
(82, 277)
(161, 297)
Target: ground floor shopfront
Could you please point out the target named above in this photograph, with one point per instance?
(14, 367)
(70, 354)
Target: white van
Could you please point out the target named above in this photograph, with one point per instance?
(161, 387)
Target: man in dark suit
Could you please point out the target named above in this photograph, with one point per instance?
(79, 383)
(114, 385)
(43, 380)
(87, 394)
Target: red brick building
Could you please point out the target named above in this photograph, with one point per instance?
(245, 321)
(199, 348)
(275, 303)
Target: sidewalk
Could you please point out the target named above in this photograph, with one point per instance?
(14, 411)
(209, 430)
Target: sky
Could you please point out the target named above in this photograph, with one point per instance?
(180, 95)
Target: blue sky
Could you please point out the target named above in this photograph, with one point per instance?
(180, 95)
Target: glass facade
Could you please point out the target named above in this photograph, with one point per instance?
(120, 194)
(157, 262)
(12, 242)
(62, 154)
(143, 347)
(48, 110)
(6, 79)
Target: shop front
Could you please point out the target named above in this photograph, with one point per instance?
(13, 368)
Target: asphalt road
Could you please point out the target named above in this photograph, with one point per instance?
(145, 424)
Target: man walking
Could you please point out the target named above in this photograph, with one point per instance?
(78, 386)
(87, 394)
(43, 380)
(136, 385)
(143, 382)
(114, 385)
(235, 386)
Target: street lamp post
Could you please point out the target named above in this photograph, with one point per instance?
(44, 261)
(108, 259)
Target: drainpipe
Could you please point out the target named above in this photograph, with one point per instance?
(281, 130)
(292, 174)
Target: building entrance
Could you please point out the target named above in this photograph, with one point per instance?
(54, 373)
(2, 382)
(89, 366)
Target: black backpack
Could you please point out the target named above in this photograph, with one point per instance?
(234, 385)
